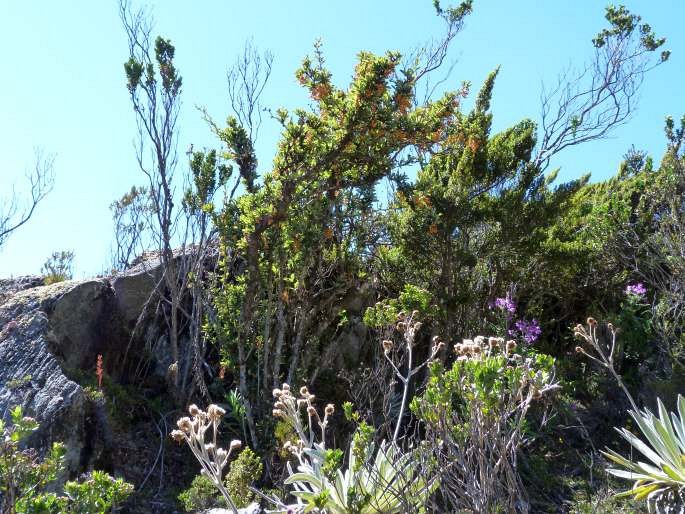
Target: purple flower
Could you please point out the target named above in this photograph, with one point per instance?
(638, 289)
(505, 304)
(529, 330)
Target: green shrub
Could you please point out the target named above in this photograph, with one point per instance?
(201, 495)
(244, 471)
(24, 477)
(475, 416)
(58, 267)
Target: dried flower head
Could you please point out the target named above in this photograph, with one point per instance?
(592, 322)
(387, 345)
(236, 444)
(215, 413)
(194, 410)
(304, 391)
(177, 436)
(511, 346)
(185, 424)
(330, 409)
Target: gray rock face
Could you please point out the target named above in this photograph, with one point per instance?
(45, 331)
(133, 288)
(50, 338)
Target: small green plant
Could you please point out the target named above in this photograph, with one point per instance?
(96, 492)
(24, 477)
(22, 474)
(475, 416)
(661, 480)
(244, 471)
(379, 479)
(18, 383)
(201, 495)
(58, 267)
(193, 431)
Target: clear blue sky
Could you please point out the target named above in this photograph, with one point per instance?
(63, 87)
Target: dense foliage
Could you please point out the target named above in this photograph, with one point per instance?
(291, 276)
(393, 224)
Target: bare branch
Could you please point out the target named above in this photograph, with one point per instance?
(246, 81)
(587, 105)
(41, 180)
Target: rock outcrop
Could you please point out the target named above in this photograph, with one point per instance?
(48, 335)
(51, 335)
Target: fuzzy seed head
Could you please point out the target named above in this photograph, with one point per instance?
(177, 436)
(215, 413)
(185, 424)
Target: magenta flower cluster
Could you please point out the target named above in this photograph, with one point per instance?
(637, 289)
(505, 304)
(529, 330)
